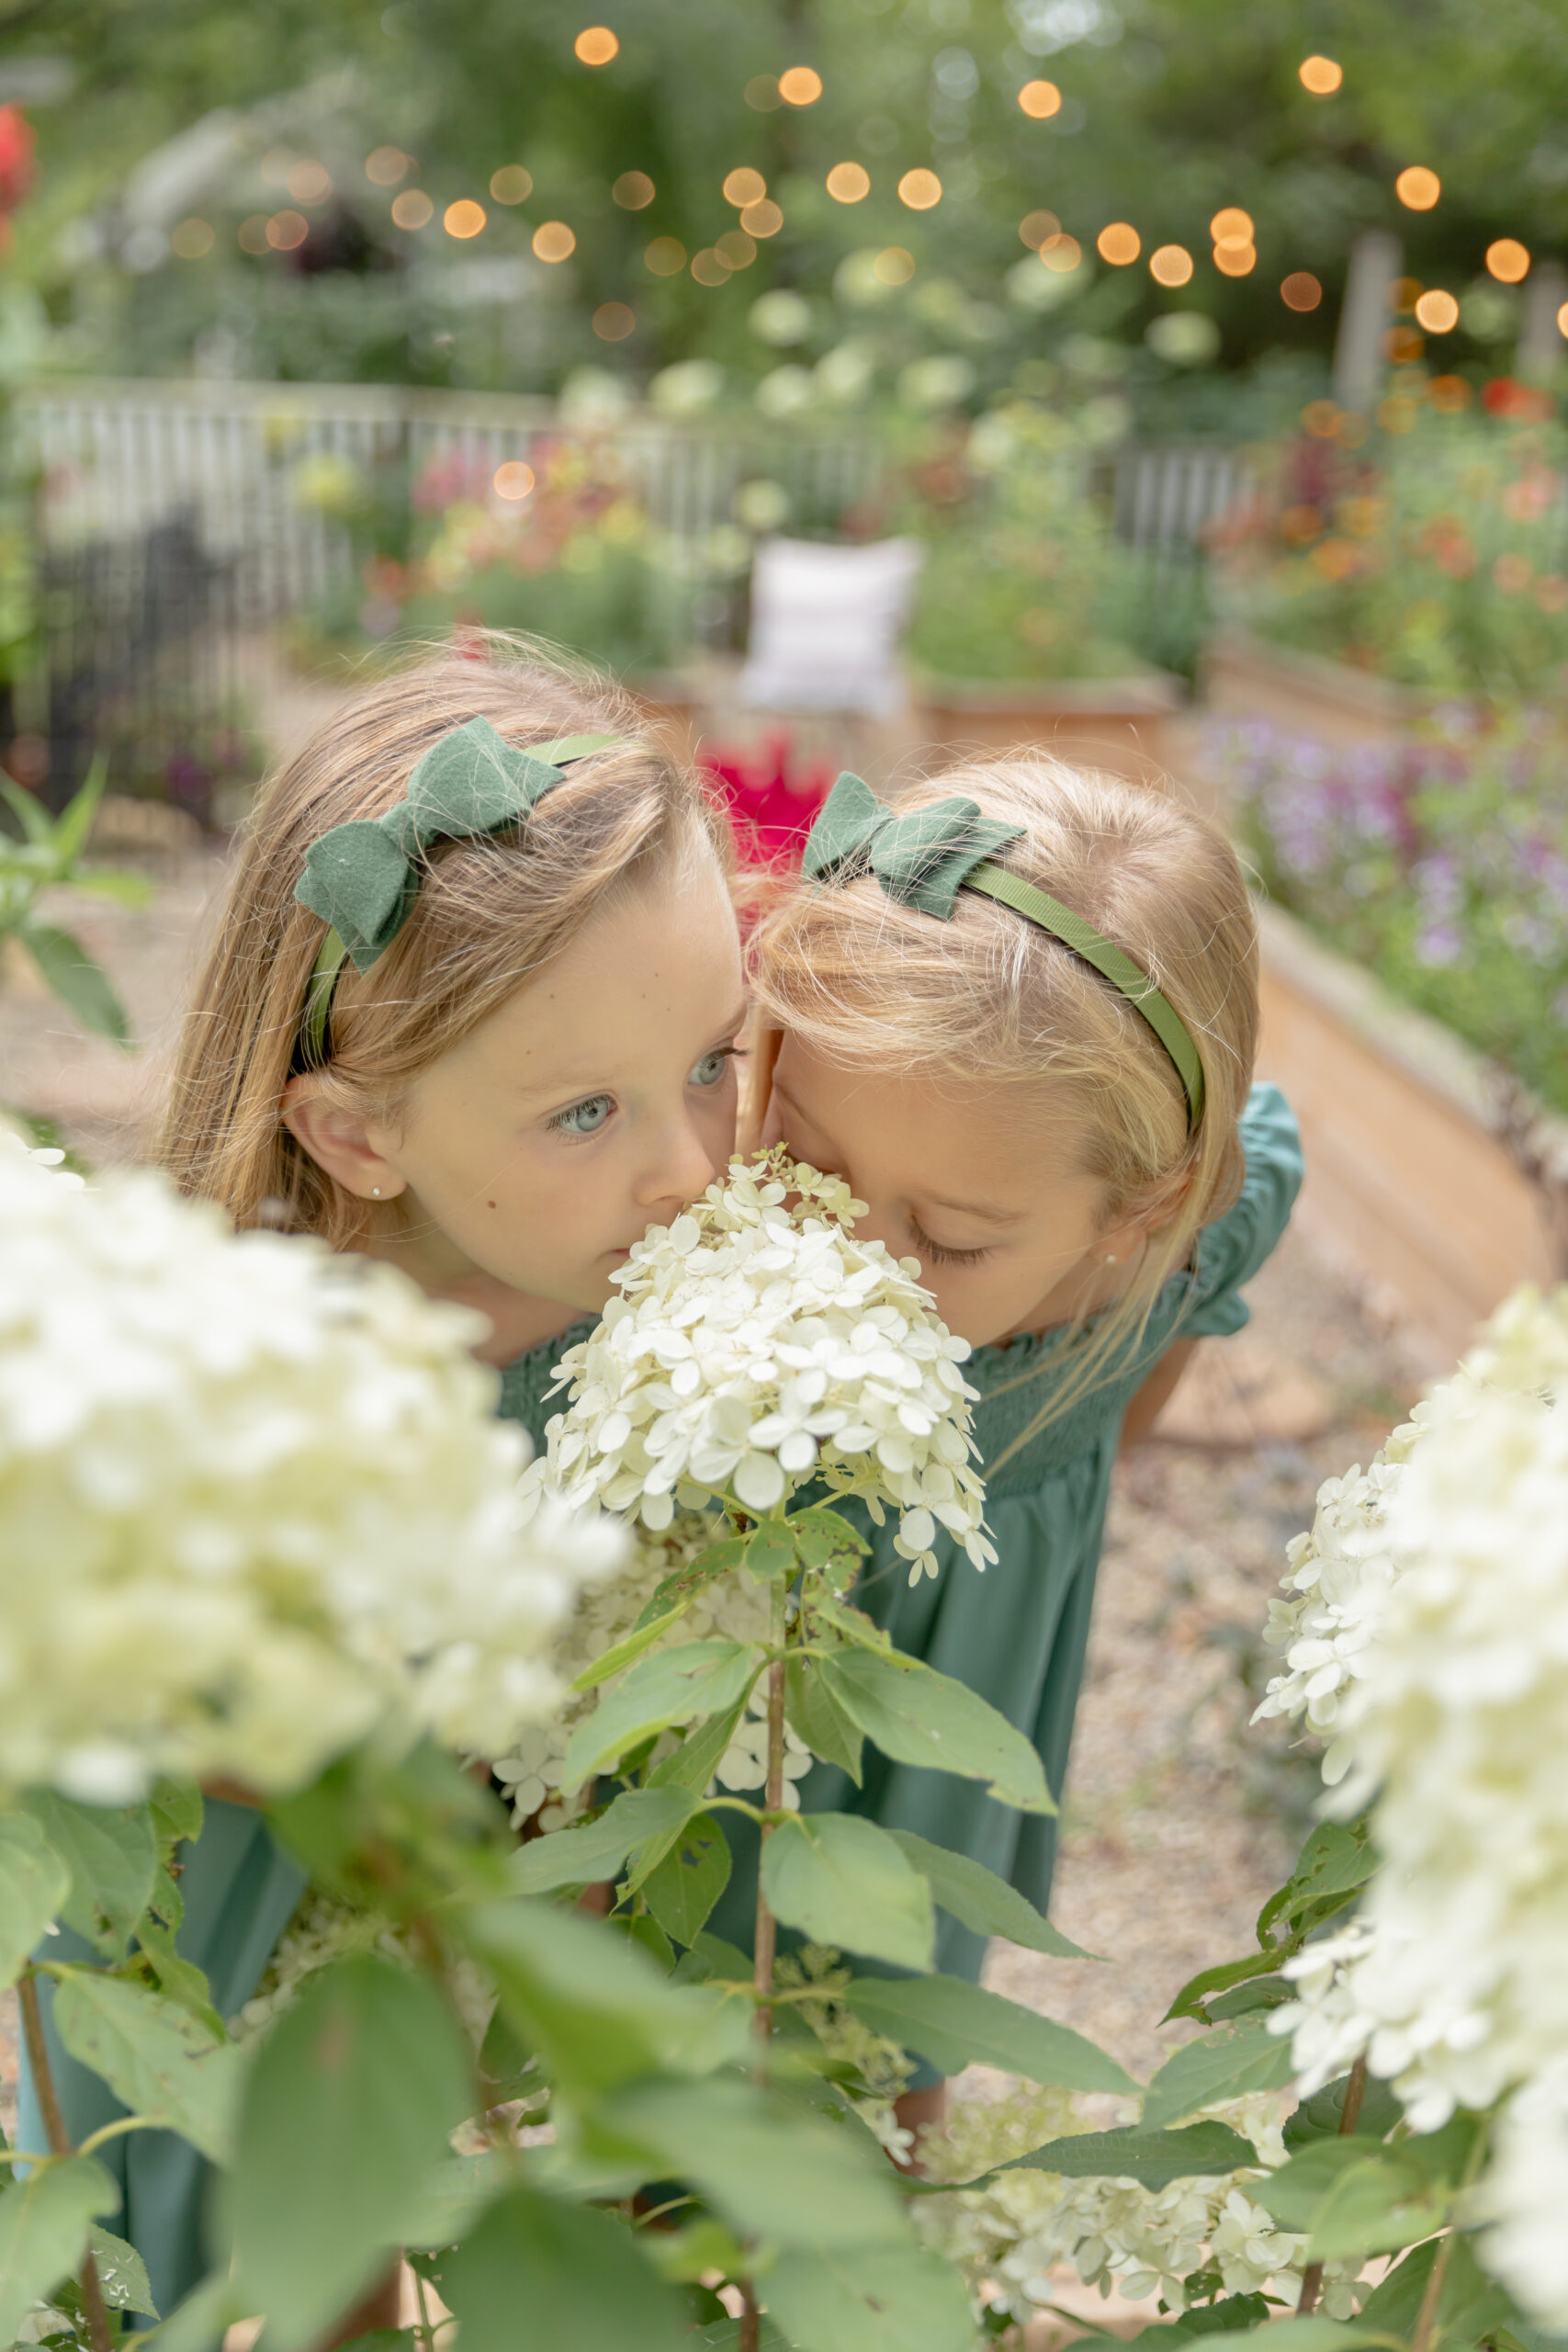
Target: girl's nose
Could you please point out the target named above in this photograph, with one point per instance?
(684, 1169)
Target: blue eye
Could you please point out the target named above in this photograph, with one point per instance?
(711, 1068)
(584, 1118)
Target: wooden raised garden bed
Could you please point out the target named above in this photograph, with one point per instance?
(1246, 677)
(1124, 724)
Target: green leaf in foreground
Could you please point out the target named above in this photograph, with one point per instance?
(1226, 2063)
(122, 2274)
(43, 2232)
(840, 1879)
(77, 979)
(347, 2115)
(1154, 2159)
(671, 1686)
(871, 2298)
(956, 2025)
(34, 1883)
(626, 1653)
(112, 1857)
(1234, 2314)
(979, 1900)
(917, 1716)
(554, 2275)
(599, 1850)
(816, 1718)
(158, 2060)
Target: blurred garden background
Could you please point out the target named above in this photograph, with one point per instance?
(1175, 383)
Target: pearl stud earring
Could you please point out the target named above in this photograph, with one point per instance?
(1110, 1257)
(375, 1192)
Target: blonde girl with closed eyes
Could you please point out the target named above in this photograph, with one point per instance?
(472, 1009)
(1017, 1011)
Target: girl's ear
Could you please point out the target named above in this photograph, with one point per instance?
(339, 1141)
(1127, 1239)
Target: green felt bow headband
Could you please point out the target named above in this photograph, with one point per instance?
(923, 857)
(363, 878)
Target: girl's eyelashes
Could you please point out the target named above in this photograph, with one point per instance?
(584, 1118)
(712, 1067)
(933, 1253)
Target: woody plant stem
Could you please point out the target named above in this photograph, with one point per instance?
(766, 1943)
(60, 2145)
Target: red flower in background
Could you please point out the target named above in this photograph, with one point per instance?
(16, 157)
(771, 805)
(1521, 403)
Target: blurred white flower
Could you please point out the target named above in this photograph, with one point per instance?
(687, 387)
(1527, 2191)
(757, 1346)
(781, 317)
(253, 1504)
(941, 381)
(784, 391)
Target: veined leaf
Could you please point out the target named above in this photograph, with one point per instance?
(1223, 2064)
(919, 1716)
(1337, 1860)
(1154, 2159)
(34, 1884)
(770, 1549)
(1354, 2196)
(153, 2055)
(43, 2231)
(870, 2299)
(642, 1637)
(955, 2025)
(693, 1763)
(981, 1901)
(1319, 2118)
(599, 1850)
(842, 1881)
(77, 979)
(717, 1561)
(112, 1857)
(816, 1718)
(672, 1687)
(122, 2274)
(541, 2271)
(682, 1890)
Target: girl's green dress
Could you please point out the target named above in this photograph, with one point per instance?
(1017, 1632)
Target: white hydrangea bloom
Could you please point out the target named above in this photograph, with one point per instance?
(253, 1503)
(734, 1607)
(1115, 2235)
(323, 1929)
(1527, 2191)
(757, 1345)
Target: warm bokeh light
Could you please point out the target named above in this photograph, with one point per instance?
(919, 189)
(1448, 394)
(308, 183)
(464, 218)
(762, 94)
(762, 219)
(412, 209)
(1437, 312)
(1507, 260)
(192, 239)
(743, 186)
(894, 266)
(1405, 293)
(1301, 290)
(1170, 265)
(385, 167)
(1231, 226)
(1040, 100)
(553, 241)
(596, 46)
(665, 256)
(512, 185)
(1035, 227)
(801, 87)
(1403, 346)
(1563, 320)
(737, 248)
(1417, 187)
(1320, 419)
(1320, 75)
(709, 268)
(632, 190)
(252, 234)
(613, 322)
(1061, 253)
(513, 480)
(1118, 244)
(847, 183)
(1235, 260)
(286, 232)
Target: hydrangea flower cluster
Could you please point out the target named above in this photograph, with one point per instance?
(1455, 1731)
(736, 1607)
(757, 1345)
(253, 1504)
(322, 1930)
(1115, 2235)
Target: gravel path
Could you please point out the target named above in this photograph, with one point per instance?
(1179, 1819)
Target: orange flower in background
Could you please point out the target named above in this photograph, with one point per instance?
(1335, 559)
(16, 157)
(1299, 523)
(1533, 495)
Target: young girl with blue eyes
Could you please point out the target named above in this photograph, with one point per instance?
(471, 1008)
(1018, 1012)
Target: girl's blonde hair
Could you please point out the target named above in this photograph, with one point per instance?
(489, 914)
(990, 996)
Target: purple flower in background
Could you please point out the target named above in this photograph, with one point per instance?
(1439, 946)
(1438, 885)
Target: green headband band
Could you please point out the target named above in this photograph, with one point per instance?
(923, 857)
(363, 878)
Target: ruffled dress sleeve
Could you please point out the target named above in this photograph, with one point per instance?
(1231, 1250)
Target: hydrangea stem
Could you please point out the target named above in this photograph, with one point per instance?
(765, 1946)
(60, 2145)
(1349, 2116)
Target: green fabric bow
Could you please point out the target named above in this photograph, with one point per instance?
(362, 878)
(921, 858)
